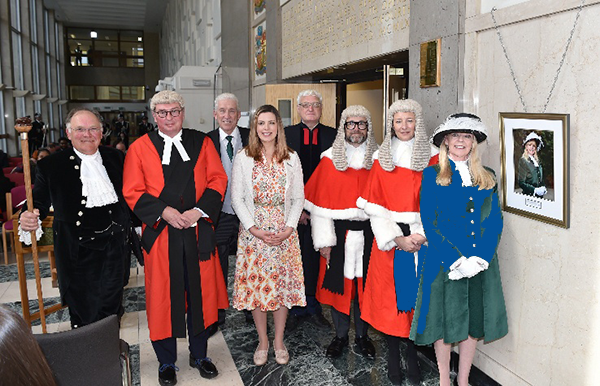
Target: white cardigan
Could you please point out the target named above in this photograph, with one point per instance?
(242, 194)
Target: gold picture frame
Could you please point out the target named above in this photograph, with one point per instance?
(535, 178)
(430, 75)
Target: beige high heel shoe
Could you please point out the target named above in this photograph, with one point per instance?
(261, 356)
(282, 356)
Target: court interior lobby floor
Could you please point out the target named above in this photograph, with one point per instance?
(231, 349)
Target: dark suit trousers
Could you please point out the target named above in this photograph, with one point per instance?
(166, 349)
(341, 321)
(96, 287)
(226, 234)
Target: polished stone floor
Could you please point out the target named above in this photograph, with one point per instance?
(231, 349)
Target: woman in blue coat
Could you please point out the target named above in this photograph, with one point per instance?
(460, 295)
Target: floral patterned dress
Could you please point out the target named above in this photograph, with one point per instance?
(268, 277)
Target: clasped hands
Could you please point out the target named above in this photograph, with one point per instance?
(467, 267)
(180, 220)
(271, 238)
(411, 243)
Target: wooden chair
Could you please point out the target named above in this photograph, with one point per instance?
(14, 200)
(20, 250)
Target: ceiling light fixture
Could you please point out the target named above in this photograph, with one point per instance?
(93, 34)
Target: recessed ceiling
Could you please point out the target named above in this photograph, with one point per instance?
(143, 15)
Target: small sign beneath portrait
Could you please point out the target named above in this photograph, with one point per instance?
(430, 63)
(535, 166)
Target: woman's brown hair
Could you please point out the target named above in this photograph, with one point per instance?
(21, 359)
(255, 146)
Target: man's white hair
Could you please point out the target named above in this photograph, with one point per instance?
(227, 96)
(305, 93)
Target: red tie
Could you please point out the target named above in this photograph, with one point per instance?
(315, 135)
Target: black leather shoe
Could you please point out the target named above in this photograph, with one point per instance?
(205, 366)
(293, 322)
(319, 321)
(167, 375)
(336, 347)
(365, 347)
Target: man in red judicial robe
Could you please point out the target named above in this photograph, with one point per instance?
(340, 230)
(174, 182)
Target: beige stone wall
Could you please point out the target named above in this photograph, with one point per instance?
(317, 34)
(551, 276)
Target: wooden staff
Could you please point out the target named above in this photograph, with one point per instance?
(23, 126)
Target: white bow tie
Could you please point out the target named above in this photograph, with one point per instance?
(169, 142)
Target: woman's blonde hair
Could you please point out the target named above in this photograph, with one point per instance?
(255, 146)
(479, 175)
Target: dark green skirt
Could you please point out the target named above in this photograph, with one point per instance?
(459, 308)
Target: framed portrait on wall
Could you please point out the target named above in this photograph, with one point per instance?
(535, 166)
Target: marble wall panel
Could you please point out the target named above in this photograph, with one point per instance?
(430, 20)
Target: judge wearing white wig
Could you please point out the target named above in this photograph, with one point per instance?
(460, 296)
(391, 200)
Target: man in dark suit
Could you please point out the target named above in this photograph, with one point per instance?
(84, 185)
(228, 139)
(309, 139)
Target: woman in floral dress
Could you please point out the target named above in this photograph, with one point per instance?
(268, 195)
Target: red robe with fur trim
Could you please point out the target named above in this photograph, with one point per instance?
(389, 198)
(331, 195)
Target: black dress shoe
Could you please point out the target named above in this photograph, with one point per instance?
(336, 347)
(167, 375)
(365, 347)
(319, 321)
(205, 366)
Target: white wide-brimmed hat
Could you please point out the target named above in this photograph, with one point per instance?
(460, 123)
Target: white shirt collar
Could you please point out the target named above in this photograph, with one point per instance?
(223, 135)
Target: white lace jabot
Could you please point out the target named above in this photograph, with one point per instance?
(96, 185)
(463, 170)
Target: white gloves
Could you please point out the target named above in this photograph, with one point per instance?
(467, 267)
(540, 191)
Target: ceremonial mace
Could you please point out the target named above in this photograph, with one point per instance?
(23, 126)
